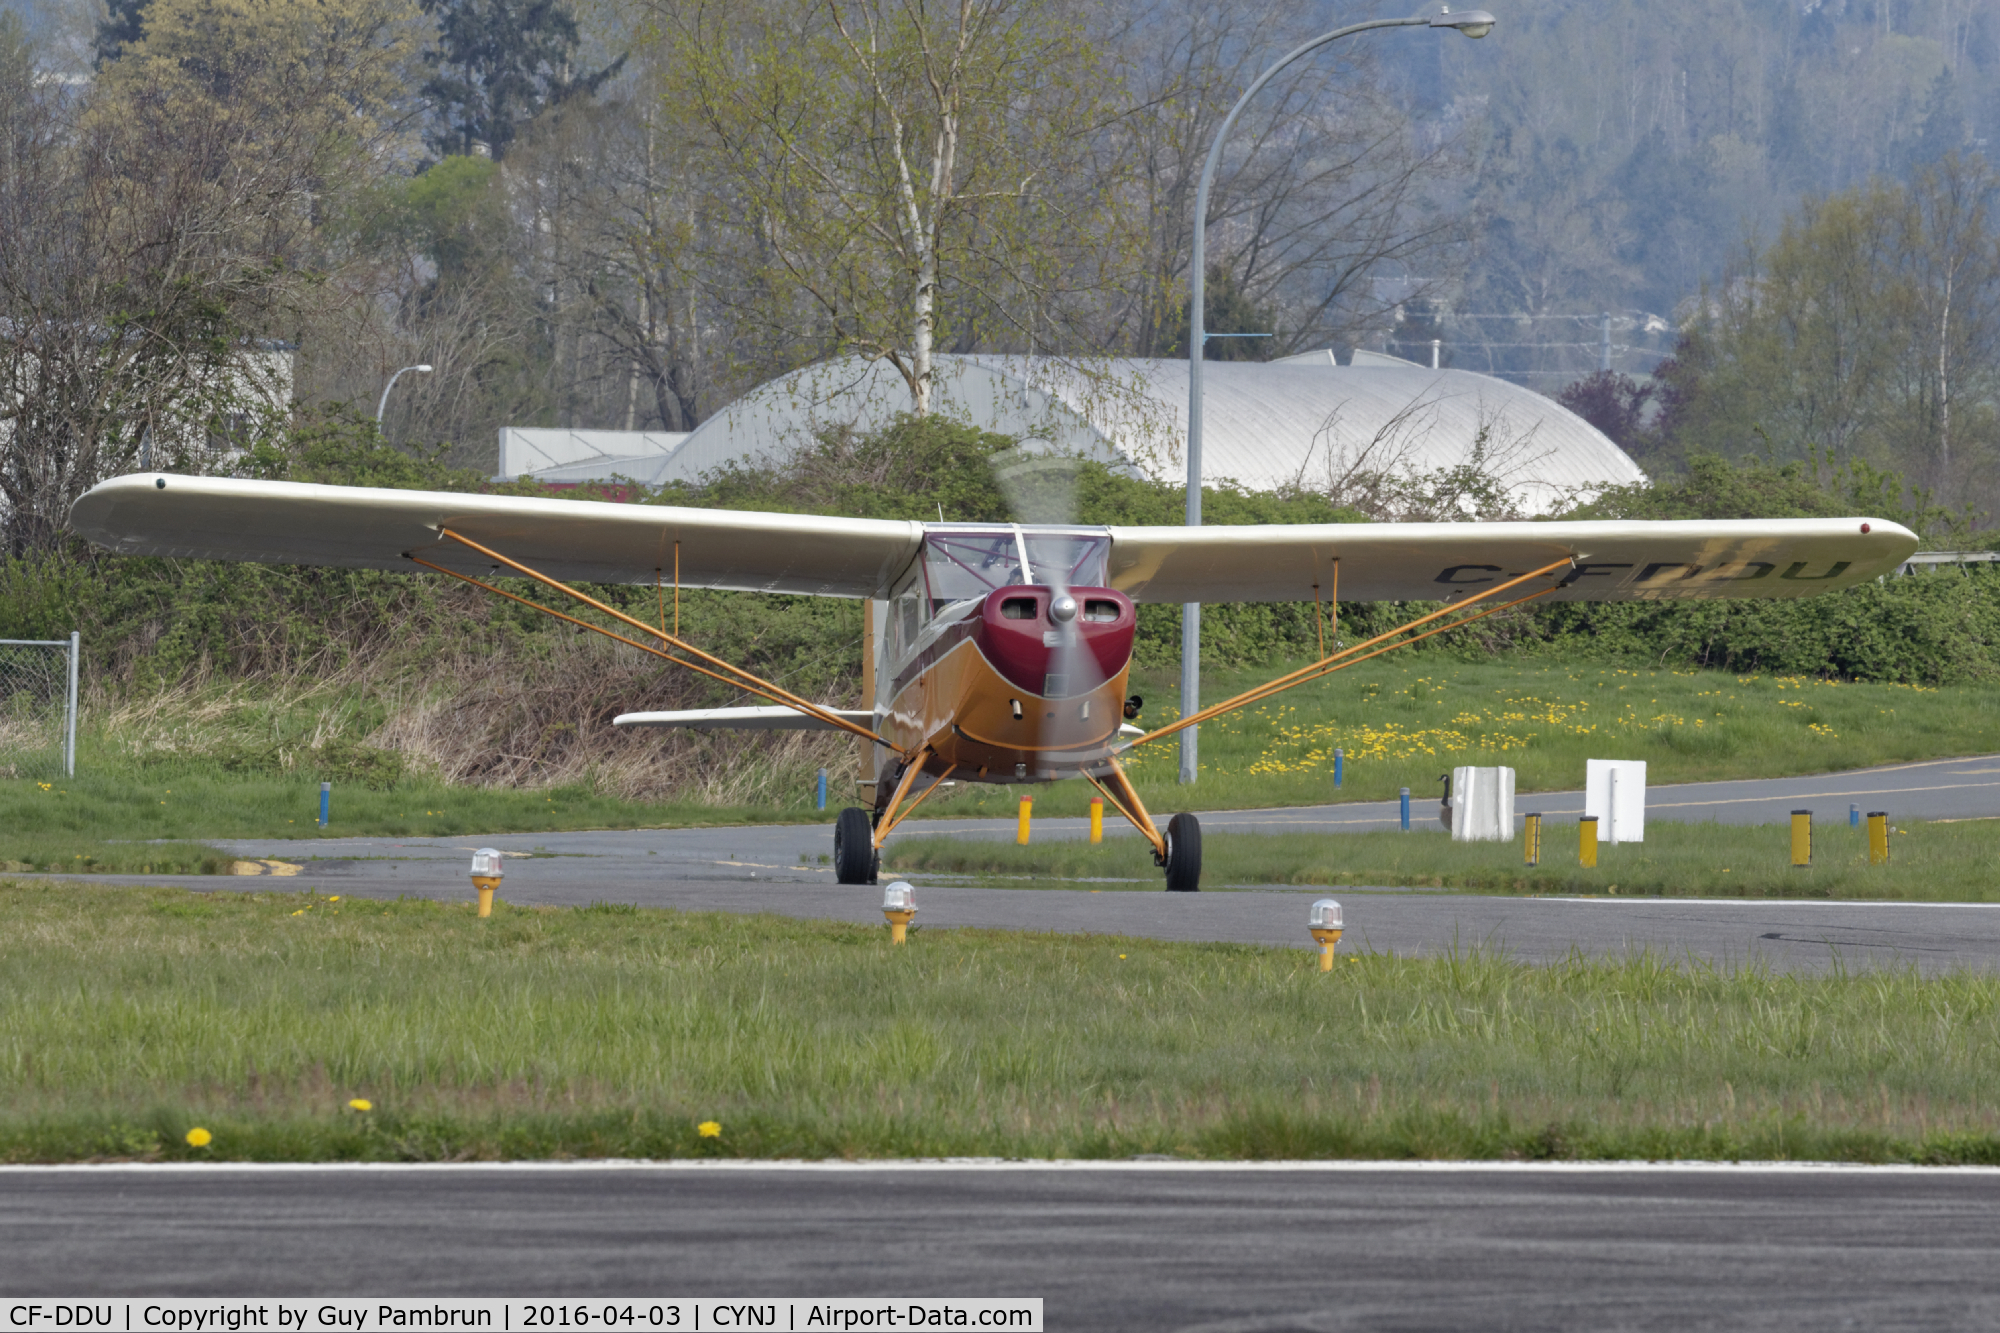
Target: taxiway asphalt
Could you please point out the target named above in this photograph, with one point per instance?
(1120, 1248)
(776, 868)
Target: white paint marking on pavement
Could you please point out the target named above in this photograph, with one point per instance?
(993, 1164)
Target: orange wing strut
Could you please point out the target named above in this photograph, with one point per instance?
(889, 816)
(1328, 665)
(1133, 809)
(736, 676)
(1141, 821)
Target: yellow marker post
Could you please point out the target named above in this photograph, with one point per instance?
(1801, 838)
(1531, 840)
(1027, 807)
(486, 873)
(1586, 841)
(1097, 819)
(1878, 837)
(899, 904)
(1325, 926)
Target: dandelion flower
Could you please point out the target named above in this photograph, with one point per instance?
(709, 1129)
(334, 899)
(199, 1137)
(360, 1104)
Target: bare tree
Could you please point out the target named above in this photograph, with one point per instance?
(160, 229)
(1325, 186)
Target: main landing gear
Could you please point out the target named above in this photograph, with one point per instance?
(855, 860)
(1183, 854)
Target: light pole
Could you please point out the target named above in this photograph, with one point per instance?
(383, 406)
(1473, 23)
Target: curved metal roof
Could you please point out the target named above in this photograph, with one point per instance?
(1301, 421)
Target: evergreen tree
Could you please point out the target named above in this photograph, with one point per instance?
(497, 65)
(123, 24)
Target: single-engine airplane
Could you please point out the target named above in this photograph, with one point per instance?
(995, 653)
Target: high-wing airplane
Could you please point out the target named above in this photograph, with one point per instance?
(995, 652)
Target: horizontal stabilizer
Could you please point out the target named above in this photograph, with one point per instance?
(744, 719)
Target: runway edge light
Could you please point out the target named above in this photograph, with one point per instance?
(899, 904)
(1325, 925)
(486, 873)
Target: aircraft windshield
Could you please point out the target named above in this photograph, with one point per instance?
(962, 565)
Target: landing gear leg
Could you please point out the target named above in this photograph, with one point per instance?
(1178, 849)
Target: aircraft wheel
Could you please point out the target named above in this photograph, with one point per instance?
(1183, 854)
(854, 858)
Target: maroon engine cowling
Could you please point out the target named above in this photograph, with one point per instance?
(1019, 639)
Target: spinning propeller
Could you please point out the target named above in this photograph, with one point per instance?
(1041, 489)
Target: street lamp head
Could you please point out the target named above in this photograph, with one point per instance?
(421, 370)
(1473, 22)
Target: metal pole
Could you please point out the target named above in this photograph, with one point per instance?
(1197, 341)
(69, 741)
(1604, 348)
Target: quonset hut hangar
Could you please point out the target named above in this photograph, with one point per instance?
(1304, 421)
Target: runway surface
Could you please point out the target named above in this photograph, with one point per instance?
(1291, 1248)
(776, 869)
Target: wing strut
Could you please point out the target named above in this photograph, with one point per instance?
(890, 818)
(1132, 808)
(736, 677)
(1326, 666)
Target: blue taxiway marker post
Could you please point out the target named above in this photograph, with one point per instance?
(325, 803)
(822, 789)
(1854, 816)
(1406, 809)
(1339, 762)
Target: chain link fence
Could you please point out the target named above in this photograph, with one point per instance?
(38, 708)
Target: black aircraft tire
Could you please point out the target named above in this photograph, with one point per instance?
(1183, 854)
(854, 858)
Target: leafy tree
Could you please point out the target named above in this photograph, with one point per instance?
(1615, 404)
(1868, 330)
(899, 178)
(1714, 488)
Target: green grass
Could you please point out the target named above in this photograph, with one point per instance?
(1400, 725)
(1404, 721)
(191, 803)
(134, 1016)
(1950, 861)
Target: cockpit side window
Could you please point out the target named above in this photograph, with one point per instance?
(906, 613)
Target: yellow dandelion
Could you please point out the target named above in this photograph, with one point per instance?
(709, 1129)
(360, 1104)
(199, 1137)
(334, 899)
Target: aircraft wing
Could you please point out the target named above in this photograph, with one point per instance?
(217, 518)
(1615, 561)
(276, 522)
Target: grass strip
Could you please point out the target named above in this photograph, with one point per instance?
(297, 1027)
(1934, 862)
(76, 856)
(197, 802)
(1403, 722)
